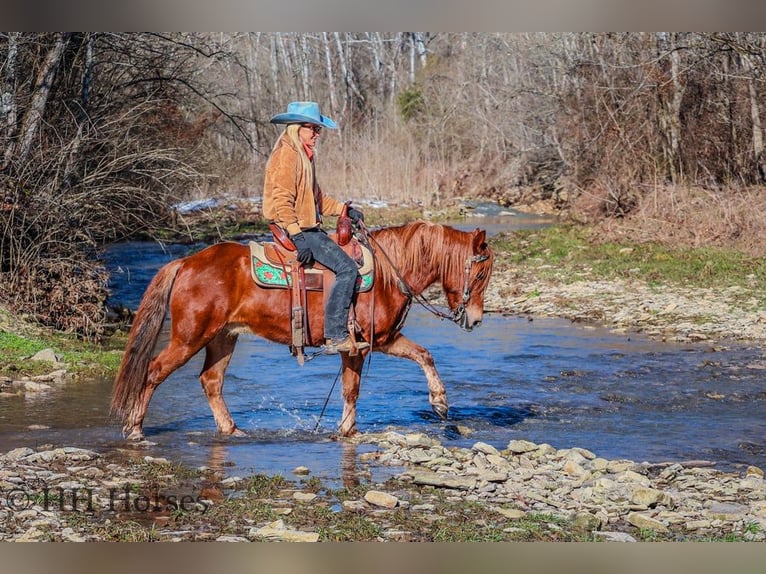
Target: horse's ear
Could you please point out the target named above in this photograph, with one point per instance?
(479, 241)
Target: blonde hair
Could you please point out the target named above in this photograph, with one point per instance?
(306, 166)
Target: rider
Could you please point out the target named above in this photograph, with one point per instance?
(293, 199)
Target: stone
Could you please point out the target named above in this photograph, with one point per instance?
(382, 499)
(618, 466)
(231, 481)
(301, 470)
(304, 496)
(227, 538)
(31, 535)
(615, 536)
(586, 521)
(697, 524)
(418, 439)
(649, 497)
(443, 481)
(572, 468)
(643, 521)
(47, 356)
(69, 535)
(19, 453)
(485, 448)
(354, 506)
(511, 513)
(277, 531)
(754, 471)
(521, 446)
(726, 511)
(34, 387)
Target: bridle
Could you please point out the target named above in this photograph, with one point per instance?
(458, 315)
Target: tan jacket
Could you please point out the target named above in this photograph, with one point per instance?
(289, 200)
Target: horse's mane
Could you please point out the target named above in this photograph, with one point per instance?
(414, 248)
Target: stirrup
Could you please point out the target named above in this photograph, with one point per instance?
(345, 345)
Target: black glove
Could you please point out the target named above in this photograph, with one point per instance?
(305, 255)
(355, 215)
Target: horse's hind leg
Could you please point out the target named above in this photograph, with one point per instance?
(437, 394)
(168, 360)
(218, 355)
(352, 372)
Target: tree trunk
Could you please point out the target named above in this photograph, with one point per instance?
(330, 75)
(8, 108)
(34, 116)
(670, 104)
(348, 76)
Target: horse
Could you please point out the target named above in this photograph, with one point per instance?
(212, 298)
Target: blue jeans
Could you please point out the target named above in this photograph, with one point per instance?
(327, 252)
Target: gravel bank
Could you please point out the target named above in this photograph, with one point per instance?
(526, 491)
(661, 312)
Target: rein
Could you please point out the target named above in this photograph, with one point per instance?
(458, 315)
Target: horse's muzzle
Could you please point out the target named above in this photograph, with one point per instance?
(466, 324)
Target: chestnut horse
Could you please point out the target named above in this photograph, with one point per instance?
(212, 297)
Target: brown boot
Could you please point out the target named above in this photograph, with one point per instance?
(345, 345)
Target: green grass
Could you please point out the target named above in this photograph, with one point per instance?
(572, 252)
(79, 357)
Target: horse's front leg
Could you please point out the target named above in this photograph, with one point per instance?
(352, 374)
(401, 346)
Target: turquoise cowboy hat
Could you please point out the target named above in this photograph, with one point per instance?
(298, 112)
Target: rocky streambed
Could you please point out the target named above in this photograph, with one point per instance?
(526, 491)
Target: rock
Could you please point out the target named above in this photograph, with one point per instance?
(34, 387)
(19, 453)
(382, 499)
(573, 469)
(443, 481)
(697, 524)
(521, 446)
(69, 535)
(47, 356)
(726, 511)
(354, 506)
(227, 538)
(32, 534)
(418, 439)
(231, 481)
(586, 521)
(511, 513)
(301, 471)
(615, 536)
(485, 448)
(649, 497)
(754, 471)
(277, 531)
(304, 496)
(643, 521)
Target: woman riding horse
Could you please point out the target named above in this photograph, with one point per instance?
(294, 201)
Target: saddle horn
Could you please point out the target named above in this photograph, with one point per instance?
(345, 226)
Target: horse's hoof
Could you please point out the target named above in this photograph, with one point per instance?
(440, 410)
(235, 432)
(136, 435)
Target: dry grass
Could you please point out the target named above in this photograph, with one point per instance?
(691, 216)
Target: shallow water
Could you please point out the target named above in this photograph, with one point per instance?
(547, 380)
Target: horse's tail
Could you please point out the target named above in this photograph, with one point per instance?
(147, 324)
